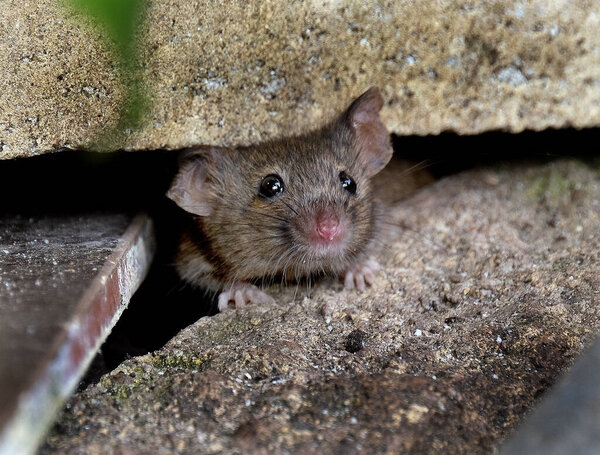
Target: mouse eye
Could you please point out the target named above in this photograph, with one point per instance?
(347, 183)
(271, 186)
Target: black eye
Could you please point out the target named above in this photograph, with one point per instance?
(271, 186)
(347, 183)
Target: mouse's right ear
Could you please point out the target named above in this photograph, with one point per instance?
(190, 189)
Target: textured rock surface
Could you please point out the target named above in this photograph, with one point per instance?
(473, 318)
(225, 72)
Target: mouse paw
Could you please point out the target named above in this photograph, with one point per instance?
(242, 294)
(361, 275)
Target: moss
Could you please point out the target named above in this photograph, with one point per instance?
(106, 382)
(121, 393)
(122, 382)
(562, 264)
(181, 361)
(228, 329)
(550, 185)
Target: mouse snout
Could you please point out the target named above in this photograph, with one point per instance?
(322, 229)
(328, 226)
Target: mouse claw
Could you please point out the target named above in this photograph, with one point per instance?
(242, 294)
(361, 275)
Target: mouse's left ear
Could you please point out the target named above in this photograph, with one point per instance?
(372, 137)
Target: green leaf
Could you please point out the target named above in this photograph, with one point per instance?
(119, 21)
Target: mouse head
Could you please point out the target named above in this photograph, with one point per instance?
(294, 206)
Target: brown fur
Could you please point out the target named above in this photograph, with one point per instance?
(237, 236)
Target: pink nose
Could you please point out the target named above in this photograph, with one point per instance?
(328, 228)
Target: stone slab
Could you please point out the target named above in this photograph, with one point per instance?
(64, 281)
(490, 289)
(568, 419)
(230, 72)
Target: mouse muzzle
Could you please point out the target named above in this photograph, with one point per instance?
(323, 229)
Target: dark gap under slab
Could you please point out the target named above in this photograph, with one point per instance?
(77, 181)
(449, 153)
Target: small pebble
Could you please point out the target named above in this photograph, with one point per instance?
(355, 341)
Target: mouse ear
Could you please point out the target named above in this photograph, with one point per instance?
(372, 137)
(190, 189)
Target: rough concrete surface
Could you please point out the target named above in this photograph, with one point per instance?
(490, 288)
(230, 72)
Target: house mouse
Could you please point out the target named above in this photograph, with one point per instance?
(286, 209)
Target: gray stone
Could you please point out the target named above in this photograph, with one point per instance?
(64, 282)
(489, 290)
(568, 420)
(228, 72)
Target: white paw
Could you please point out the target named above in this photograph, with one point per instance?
(361, 275)
(242, 294)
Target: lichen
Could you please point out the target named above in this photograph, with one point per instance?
(177, 361)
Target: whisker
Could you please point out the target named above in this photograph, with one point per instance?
(417, 167)
(289, 206)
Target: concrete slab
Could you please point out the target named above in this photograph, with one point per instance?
(64, 281)
(228, 72)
